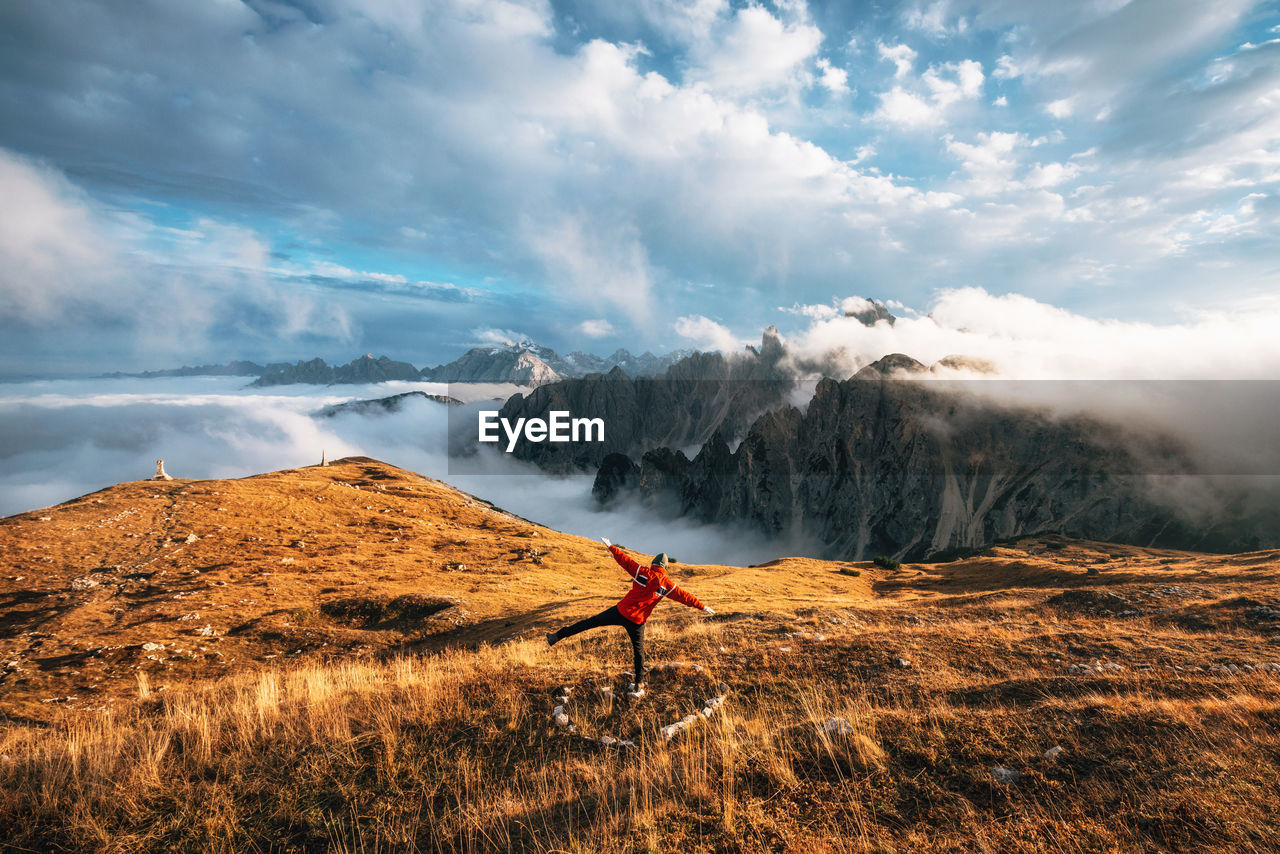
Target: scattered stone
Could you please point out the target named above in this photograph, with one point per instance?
(85, 583)
(207, 631)
(1004, 776)
(837, 726)
(191, 538)
(151, 646)
(1053, 753)
(902, 663)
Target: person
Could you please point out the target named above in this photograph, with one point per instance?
(649, 586)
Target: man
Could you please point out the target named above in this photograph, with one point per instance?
(650, 585)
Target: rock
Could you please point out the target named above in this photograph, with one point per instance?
(191, 538)
(85, 583)
(151, 646)
(837, 726)
(1004, 776)
(207, 631)
(902, 663)
(1053, 753)
(790, 469)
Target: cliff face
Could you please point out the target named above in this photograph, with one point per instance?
(884, 467)
(683, 407)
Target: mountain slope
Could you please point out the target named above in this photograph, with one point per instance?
(357, 555)
(388, 687)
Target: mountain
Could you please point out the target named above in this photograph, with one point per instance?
(383, 405)
(878, 466)
(509, 364)
(527, 363)
(365, 369)
(308, 659)
(696, 396)
(868, 312)
(237, 368)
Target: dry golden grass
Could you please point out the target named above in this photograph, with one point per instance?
(437, 737)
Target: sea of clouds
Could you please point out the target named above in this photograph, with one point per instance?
(60, 439)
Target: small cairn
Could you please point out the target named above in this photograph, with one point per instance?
(161, 474)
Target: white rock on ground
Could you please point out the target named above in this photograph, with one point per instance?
(1004, 776)
(837, 726)
(1053, 753)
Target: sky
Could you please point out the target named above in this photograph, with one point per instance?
(185, 182)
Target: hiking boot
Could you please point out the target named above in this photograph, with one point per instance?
(552, 638)
(634, 691)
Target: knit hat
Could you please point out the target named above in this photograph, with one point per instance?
(660, 559)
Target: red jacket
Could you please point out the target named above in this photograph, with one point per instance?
(648, 588)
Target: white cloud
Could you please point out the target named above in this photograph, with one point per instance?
(597, 328)
(900, 107)
(1029, 339)
(75, 271)
(1006, 68)
(930, 19)
(954, 81)
(815, 312)
(915, 106)
(902, 57)
(834, 80)
(54, 250)
(756, 53)
(706, 334)
(1061, 108)
(490, 336)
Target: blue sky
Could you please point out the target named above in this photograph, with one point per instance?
(197, 181)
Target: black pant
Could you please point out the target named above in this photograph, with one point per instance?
(611, 616)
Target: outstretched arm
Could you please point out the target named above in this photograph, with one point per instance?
(623, 560)
(684, 597)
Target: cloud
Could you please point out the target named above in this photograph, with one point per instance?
(706, 334)
(834, 80)
(561, 163)
(64, 439)
(70, 269)
(755, 53)
(900, 107)
(1030, 339)
(901, 55)
(925, 103)
(596, 328)
(498, 337)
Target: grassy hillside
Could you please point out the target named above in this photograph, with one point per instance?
(388, 690)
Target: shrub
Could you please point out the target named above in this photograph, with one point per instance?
(886, 562)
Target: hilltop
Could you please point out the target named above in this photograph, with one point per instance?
(350, 657)
(351, 557)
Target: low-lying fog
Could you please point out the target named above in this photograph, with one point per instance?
(63, 438)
